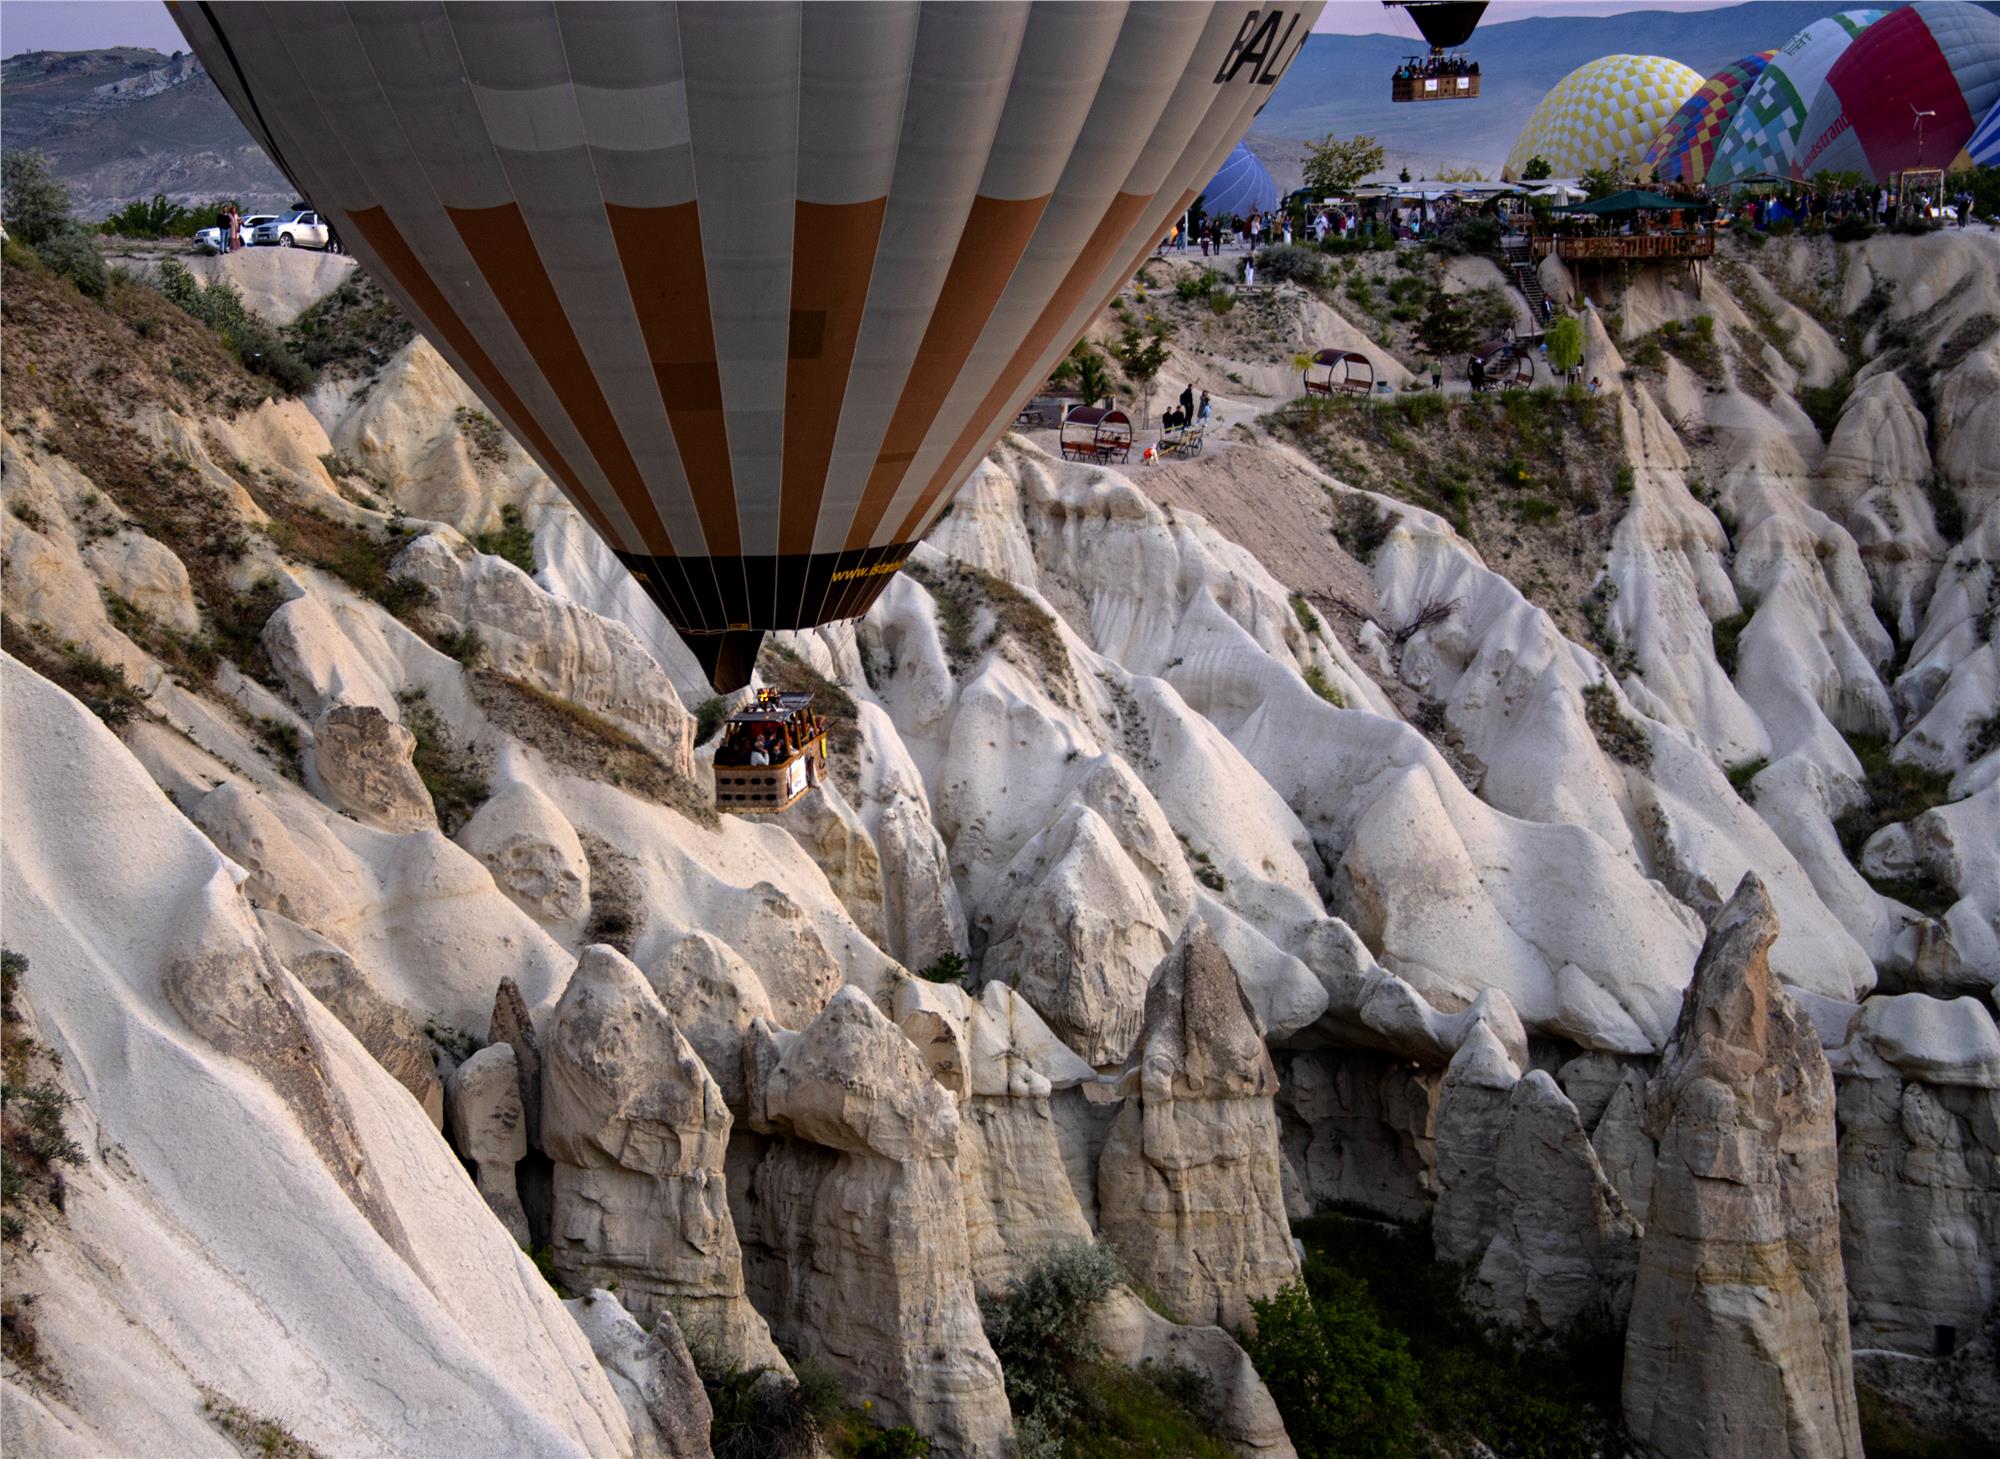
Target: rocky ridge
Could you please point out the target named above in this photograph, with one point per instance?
(1242, 940)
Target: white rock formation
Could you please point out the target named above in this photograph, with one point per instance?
(489, 1128)
(1188, 1188)
(1564, 1245)
(208, 1219)
(652, 1374)
(858, 1226)
(1737, 1343)
(637, 1130)
(361, 762)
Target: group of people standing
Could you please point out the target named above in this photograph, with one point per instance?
(229, 223)
(1187, 412)
(1430, 66)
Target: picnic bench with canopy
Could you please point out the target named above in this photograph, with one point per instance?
(1345, 372)
(1503, 364)
(1096, 433)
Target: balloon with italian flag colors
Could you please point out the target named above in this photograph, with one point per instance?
(1907, 93)
(1763, 136)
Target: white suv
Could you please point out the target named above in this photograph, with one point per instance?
(298, 229)
(210, 240)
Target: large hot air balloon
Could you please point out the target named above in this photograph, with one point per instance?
(1603, 113)
(755, 284)
(1910, 90)
(1240, 187)
(1763, 137)
(1686, 145)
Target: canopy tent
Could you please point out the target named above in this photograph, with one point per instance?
(1240, 187)
(1567, 191)
(1631, 200)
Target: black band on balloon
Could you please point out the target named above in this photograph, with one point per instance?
(720, 595)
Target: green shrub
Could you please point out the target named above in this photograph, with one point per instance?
(1040, 1328)
(1361, 526)
(1619, 735)
(1894, 792)
(709, 718)
(1344, 1383)
(950, 968)
(1727, 634)
(71, 254)
(1291, 261)
(1302, 610)
(1317, 681)
(1743, 776)
(448, 771)
(901, 1442)
(511, 540)
(34, 199)
(1534, 509)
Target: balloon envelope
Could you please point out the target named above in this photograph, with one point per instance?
(1982, 149)
(755, 284)
(1940, 59)
(1686, 145)
(1604, 113)
(1241, 188)
(1763, 136)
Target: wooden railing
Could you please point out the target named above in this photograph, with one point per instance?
(1595, 248)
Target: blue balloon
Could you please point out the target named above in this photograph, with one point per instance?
(1241, 187)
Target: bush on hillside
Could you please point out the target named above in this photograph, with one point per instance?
(1292, 261)
(69, 254)
(1040, 1328)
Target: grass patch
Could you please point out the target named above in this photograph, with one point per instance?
(449, 771)
(1375, 1353)
(1743, 776)
(99, 686)
(979, 613)
(484, 438)
(358, 555)
(1824, 403)
(512, 540)
(352, 331)
(1894, 792)
(1317, 681)
(34, 1136)
(253, 1434)
(1302, 610)
(585, 743)
(1727, 634)
(1619, 735)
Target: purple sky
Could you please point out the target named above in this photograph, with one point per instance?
(82, 25)
(86, 25)
(1368, 17)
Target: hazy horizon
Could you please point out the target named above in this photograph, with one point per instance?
(89, 25)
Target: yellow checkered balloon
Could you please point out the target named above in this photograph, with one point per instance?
(1603, 113)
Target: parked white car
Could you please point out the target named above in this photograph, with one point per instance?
(211, 240)
(301, 229)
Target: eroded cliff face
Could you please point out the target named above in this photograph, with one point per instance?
(1394, 900)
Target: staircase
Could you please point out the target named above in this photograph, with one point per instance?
(1521, 263)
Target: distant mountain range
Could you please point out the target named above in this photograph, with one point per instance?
(129, 122)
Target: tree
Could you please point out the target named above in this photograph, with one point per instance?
(1334, 166)
(1344, 1382)
(1085, 371)
(35, 201)
(1444, 329)
(1565, 340)
(1602, 182)
(1141, 357)
(1537, 169)
(1404, 175)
